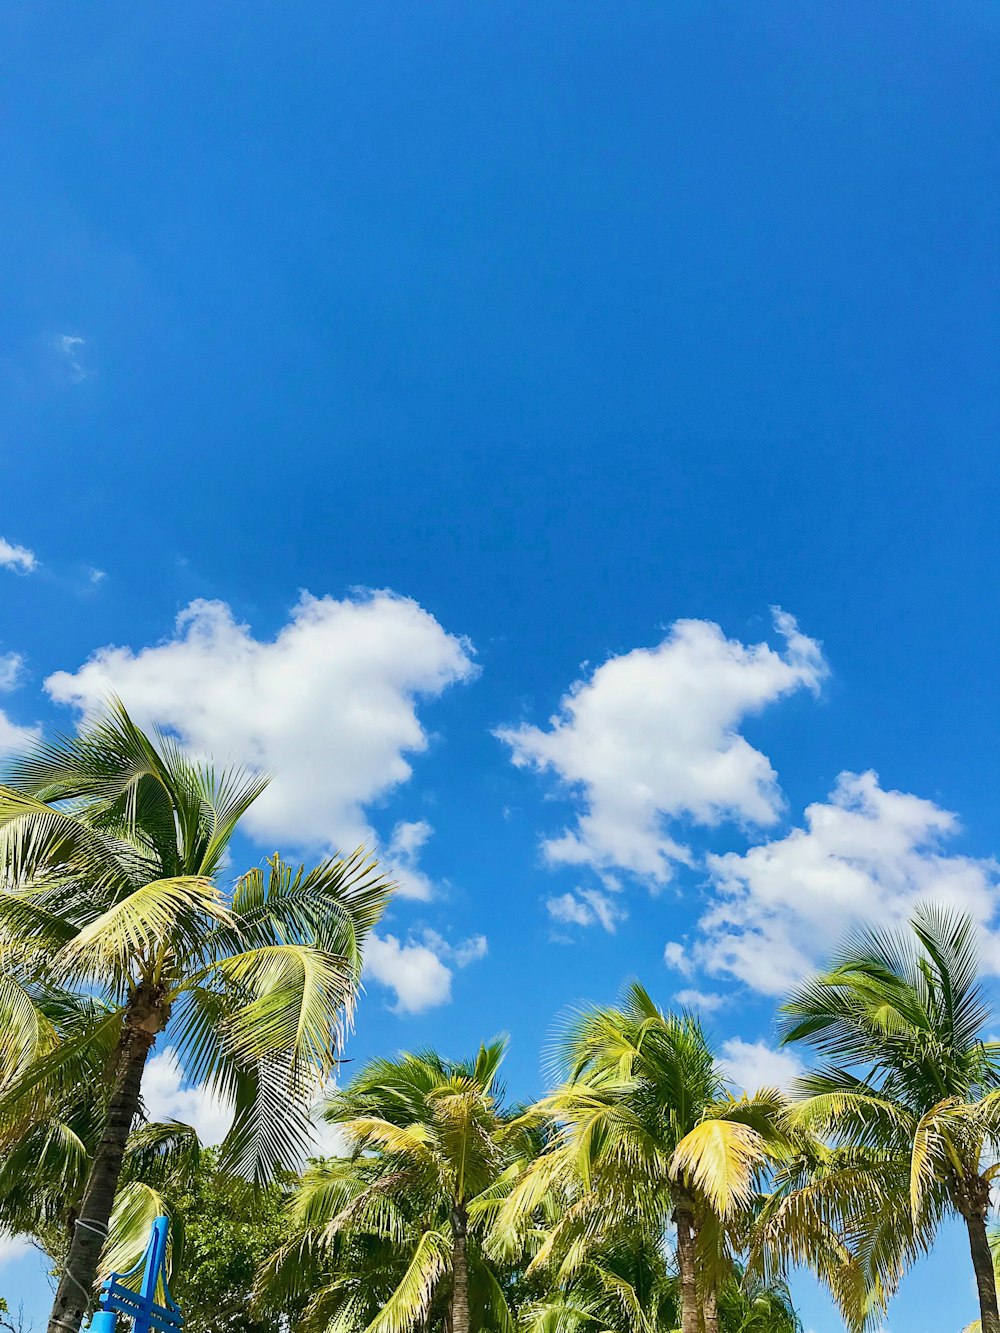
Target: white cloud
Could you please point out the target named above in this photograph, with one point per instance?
(10, 670)
(418, 970)
(14, 738)
(400, 857)
(329, 706)
(414, 971)
(676, 956)
(865, 855)
(586, 907)
(331, 1141)
(705, 1001)
(12, 1248)
(17, 558)
(166, 1098)
(653, 735)
(461, 954)
(70, 346)
(750, 1065)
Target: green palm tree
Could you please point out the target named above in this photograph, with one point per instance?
(111, 846)
(392, 1238)
(908, 1099)
(645, 1134)
(624, 1285)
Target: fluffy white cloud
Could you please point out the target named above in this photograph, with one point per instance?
(864, 855)
(418, 970)
(17, 558)
(166, 1098)
(13, 736)
(414, 971)
(750, 1065)
(653, 735)
(586, 907)
(329, 706)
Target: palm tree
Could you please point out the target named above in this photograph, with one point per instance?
(111, 845)
(44, 1172)
(391, 1239)
(994, 1239)
(909, 1098)
(624, 1285)
(645, 1134)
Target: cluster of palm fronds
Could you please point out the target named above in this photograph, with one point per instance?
(114, 926)
(639, 1194)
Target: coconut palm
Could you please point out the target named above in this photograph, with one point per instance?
(994, 1239)
(645, 1134)
(44, 1172)
(908, 1099)
(624, 1285)
(111, 847)
(391, 1239)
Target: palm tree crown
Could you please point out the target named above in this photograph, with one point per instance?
(909, 1097)
(403, 1220)
(111, 843)
(645, 1134)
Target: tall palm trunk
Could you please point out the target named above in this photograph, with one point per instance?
(709, 1291)
(684, 1220)
(459, 1270)
(76, 1287)
(974, 1206)
(711, 1311)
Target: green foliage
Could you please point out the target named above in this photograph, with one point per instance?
(225, 1229)
(375, 1238)
(908, 1102)
(111, 844)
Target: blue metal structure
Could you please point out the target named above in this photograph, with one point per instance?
(139, 1303)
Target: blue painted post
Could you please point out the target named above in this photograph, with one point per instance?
(139, 1303)
(156, 1264)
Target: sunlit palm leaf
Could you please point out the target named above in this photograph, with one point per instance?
(411, 1299)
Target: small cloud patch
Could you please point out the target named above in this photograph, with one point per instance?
(17, 558)
(69, 347)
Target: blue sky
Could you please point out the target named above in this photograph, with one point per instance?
(588, 333)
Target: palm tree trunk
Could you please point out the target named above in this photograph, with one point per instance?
(76, 1286)
(459, 1270)
(684, 1221)
(711, 1311)
(982, 1263)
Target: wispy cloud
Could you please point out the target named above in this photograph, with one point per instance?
(17, 558)
(10, 670)
(70, 347)
(586, 907)
(705, 1001)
